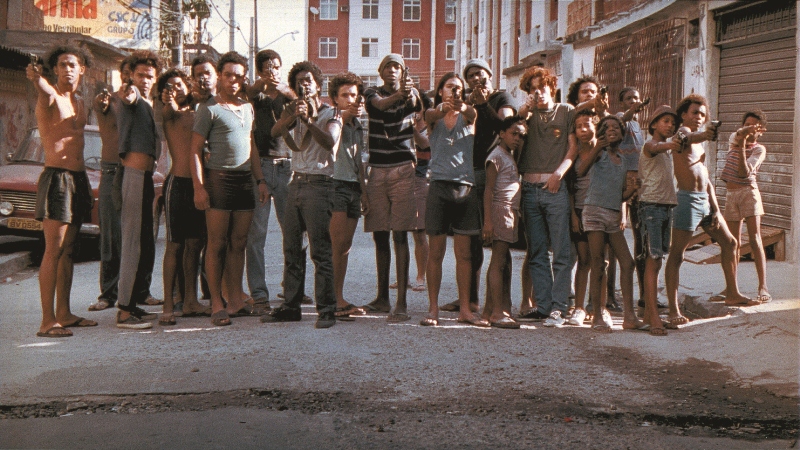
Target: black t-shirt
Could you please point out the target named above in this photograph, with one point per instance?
(486, 129)
(267, 113)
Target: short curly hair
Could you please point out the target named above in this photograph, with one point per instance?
(538, 72)
(201, 59)
(161, 84)
(264, 56)
(146, 58)
(575, 88)
(686, 102)
(757, 114)
(601, 126)
(81, 53)
(232, 58)
(304, 66)
(344, 79)
(625, 90)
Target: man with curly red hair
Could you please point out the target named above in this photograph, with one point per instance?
(543, 163)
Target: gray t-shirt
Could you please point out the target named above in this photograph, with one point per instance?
(606, 183)
(547, 142)
(451, 152)
(314, 159)
(228, 134)
(351, 148)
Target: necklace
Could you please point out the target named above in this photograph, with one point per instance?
(547, 115)
(236, 112)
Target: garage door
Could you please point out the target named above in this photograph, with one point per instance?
(758, 66)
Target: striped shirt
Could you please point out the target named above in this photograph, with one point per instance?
(391, 132)
(754, 153)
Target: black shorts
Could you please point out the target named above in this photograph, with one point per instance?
(230, 190)
(347, 198)
(452, 206)
(184, 221)
(581, 235)
(64, 195)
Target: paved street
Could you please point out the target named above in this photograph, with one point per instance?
(723, 383)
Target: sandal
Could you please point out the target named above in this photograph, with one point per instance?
(100, 305)
(429, 322)
(80, 322)
(673, 322)
(506, 323)
(369, 307)
(475, 321)
(221, 318)
(248, 311)
(397, 318)
(167, 320)
(347, 310)
(56, 331)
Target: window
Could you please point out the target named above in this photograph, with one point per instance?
(411, 48)
(450, 49)
(412, 10)
(369, 47)
(328, 47)
(369, 9)
(369, 80)
(326, 81)
(450, 11)
(328, 9)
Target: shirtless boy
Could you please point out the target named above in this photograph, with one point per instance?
(185, 223)
(64, 198)
(697, 206)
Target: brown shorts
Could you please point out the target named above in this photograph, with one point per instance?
(392, 205)
(504, 220)
(597, 218)
(230, 190)
(742, 203)
(421, 186)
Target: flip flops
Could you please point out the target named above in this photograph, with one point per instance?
(56, 331)
(475, 321)
(672, 323)
(429, 322)
(506, 323)
(80, 322)
(221, 318)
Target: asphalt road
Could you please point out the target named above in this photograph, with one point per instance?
(725, 383)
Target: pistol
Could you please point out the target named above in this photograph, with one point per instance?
(169, 87)
(105, 91)
(716, 124)
(646, 101)
(602, 91)
(454, 91)
(681, 139)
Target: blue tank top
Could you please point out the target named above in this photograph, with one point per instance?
(451, 152)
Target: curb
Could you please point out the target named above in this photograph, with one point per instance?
(13, 263)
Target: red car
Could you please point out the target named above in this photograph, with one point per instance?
(18, 178)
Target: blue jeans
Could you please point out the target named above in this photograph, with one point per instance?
(308, 209)
(277, 175)
(110, 234)
(547, 215)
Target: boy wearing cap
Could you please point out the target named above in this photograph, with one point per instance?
(492, 107)
(389, 190)
(656, 201)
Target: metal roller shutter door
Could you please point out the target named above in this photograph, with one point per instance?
(761, 75)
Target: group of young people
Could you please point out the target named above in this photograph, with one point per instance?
(466, 162)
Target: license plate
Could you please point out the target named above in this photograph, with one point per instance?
(24, 224)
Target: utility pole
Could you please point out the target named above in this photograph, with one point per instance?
(252, 54)
(232, 26)
(254, 44)
(177, 33)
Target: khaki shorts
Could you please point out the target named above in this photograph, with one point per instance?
(421, 186)
(504, 221)
(742, 203)
(597, 218)
(392, 203)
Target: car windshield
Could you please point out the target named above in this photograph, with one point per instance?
(31, 150)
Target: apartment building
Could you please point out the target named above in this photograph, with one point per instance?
(354, 35)
(738, 54)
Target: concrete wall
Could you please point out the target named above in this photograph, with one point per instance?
(16, 112)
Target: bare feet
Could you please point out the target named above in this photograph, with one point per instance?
(633, 324)
(194, 309)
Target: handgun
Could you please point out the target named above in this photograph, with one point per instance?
(716, 124)
(602, 91)
(646, 101)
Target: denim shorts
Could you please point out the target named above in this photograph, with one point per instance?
(693, 210)
(347, 198)
(656, 229)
